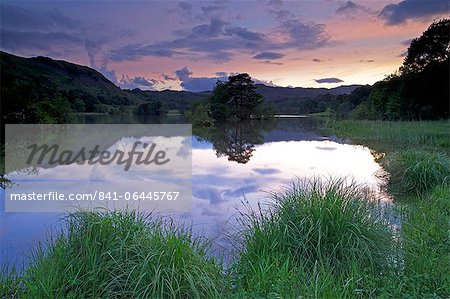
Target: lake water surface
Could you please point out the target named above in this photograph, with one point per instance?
(231, 163)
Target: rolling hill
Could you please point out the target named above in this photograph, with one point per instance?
(42, 89)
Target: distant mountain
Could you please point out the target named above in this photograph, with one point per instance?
(28, 81)
(40, 88)
(272, 93)
(179, 100)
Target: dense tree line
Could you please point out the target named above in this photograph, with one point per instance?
(419, 90)
(152, 108)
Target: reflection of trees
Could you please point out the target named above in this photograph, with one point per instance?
(236, 140)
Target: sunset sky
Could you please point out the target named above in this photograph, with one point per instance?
(189, 45)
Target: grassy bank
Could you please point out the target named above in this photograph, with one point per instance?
(417, 157)
(317, 239)
(387, 136)
(426, 245)
(118, 255)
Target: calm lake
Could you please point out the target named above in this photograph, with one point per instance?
(231, 163)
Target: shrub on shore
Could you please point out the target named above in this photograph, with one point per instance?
(319, 230)
(122, 255)
(416, 171)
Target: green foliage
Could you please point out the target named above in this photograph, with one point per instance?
(234, 139)
(121, 255)
(389, 136)
(313, 233)
(426, 246)
(241, 95)
(199, 115)
(420, 90)
(417, 171)
(237, 98)
(431, 47)
(78, 105)
(342, 106)
(264, 110)
(152, 108)
(34, 83)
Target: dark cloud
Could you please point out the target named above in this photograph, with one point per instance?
(18, 18)
(50, 33)
(183, 8)
(281, 14)
(207, 10)
(328, 80)
(245, 34)
(394, 14)
(197, 84)
(304, 35)
(140, 82)
(183, 74)
(34, 33)
(346, 7)
(133, 52)
(218, 41)
(213, 29)
(271, 62)
(268, 56)
(210, 41)
(366, 61)
(316, 60)
(19, 40)
(185, 5)
(351, 7)
(276, 3)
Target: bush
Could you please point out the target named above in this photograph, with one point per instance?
(416, 171)
(122, 255)
(315, 230)
(199, 115)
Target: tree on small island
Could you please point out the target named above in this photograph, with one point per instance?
(235, 99)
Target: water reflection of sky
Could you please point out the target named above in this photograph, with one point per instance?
(220, 185)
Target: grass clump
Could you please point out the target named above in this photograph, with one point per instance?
(121, 255)
(416, 171)
(318, 238)
(426, 245)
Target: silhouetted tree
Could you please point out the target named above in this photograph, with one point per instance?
(236, 98)
(431, 47)
(242, 95)
(420, 90)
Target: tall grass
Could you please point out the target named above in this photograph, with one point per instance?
(318, 237)
(416, 171)
(426, 246)
(387, 136)
(122, 255)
